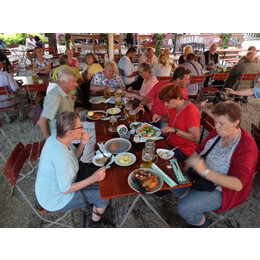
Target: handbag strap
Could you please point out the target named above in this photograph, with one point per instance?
(205, 154)
(195, 68)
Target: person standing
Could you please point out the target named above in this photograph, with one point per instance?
(30, 44)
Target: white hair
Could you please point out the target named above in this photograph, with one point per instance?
(66, 74)
(110, 64)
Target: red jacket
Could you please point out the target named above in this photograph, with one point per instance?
(242, 166)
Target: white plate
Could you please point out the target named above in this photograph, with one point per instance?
(97, 100)
(169, 152)
(124, 145)
(135, 123)
(97, 111)
(158, 131)
(100, 156)
(120, 164)
(135, 187)
(111, 110)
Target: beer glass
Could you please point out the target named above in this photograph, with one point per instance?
(35, 78)
(132, 116)
(147, 158)
(118, 102)
(150, 144)
(119, 92)
(112, 123)
(128, 107)
(106, 93)
(111, 92)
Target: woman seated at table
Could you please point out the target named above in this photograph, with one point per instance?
(162, 68)
(58, 186)
(170, 60)
(93, 67)
(230, 165)
(72, 61)
(40, 64)
(106, 78)
(186, 50)
(183, 121)
(145, 71)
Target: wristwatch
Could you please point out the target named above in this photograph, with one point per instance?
(176, 130)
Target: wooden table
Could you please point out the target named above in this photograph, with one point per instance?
(27, 80)
(115, 183)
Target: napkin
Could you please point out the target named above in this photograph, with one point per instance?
(107, 118)
(166, 178)
(143, 139)
(178, 173)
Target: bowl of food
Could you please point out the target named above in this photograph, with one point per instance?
(97, 100)
(125, 159)
(100, 159)
(113, 111)
(146, 179)
(164, 153)
(135, 125)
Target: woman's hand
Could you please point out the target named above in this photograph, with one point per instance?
(156, 118)
(129, 95)
(130, 89)
(84, 138)
(197, 163)
(140, 108)
(168, 129)
(99, 175)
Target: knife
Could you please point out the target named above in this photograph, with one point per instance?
(139, 185)
(108, 161)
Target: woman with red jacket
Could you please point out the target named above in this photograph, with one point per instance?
(230, 165)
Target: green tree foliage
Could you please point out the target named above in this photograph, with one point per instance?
(19, 38)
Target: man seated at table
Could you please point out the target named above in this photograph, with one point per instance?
(149, 56)
(106, 78)
(244, 59)
(30, 44)
(210, 58)
(128, 72)
(64, 63)
(249, 66)
(57, 100)
(9, 100)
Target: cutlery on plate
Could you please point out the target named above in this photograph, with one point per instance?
(139, 184)
(108, 161)
(174, 148)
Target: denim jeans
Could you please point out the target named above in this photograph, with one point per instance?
(178, 154)
(93, 197)
(193, 205)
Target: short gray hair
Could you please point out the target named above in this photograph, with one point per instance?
(250, 55)
(109, 64)
(66, 121)
(66, 74)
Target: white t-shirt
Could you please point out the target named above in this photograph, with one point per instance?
(161, 71)
(28, 46)
(127, 66)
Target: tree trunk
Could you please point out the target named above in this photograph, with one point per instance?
(52, 40)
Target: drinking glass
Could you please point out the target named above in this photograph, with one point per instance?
(118, 102)
(132, 116)
(106, 93)
(111, 92)
(150, 144)
(147, 158)
(112, 123)
(119, 92)
(128, 107)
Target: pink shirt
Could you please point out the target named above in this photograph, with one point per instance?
(147, 86)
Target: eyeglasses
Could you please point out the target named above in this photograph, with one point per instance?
(80, 127)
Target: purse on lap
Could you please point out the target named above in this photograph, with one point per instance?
(198, 182)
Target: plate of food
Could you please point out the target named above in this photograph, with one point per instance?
(125, 159)
(97, 100)
(164, 153)
(135, 125)
(100, 159)
(147, 130)
(113, 111)
(117, 145)
(96, 114)
(149, 180)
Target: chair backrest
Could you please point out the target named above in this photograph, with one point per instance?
(5, 90)
(32, 88)
(15, 163)
(219, 76)
(197, 79)
(207, 122)
(166, 78)
(13, 46)
(248, 76)
(49, 49)
(5, 51)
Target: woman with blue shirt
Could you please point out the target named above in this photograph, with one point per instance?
(57, 188)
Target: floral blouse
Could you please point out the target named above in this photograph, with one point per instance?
(100, 80)
(40, 65)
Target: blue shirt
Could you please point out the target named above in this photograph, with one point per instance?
(57, 170)
(256, 92)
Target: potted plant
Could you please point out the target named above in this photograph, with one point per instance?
(157, 41)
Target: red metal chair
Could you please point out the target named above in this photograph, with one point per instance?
(12, 170)
(4, 141)
(50, 49)
(164, 78)
(248, 77)
(200, 80)
(207, 122)
(34, 90)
